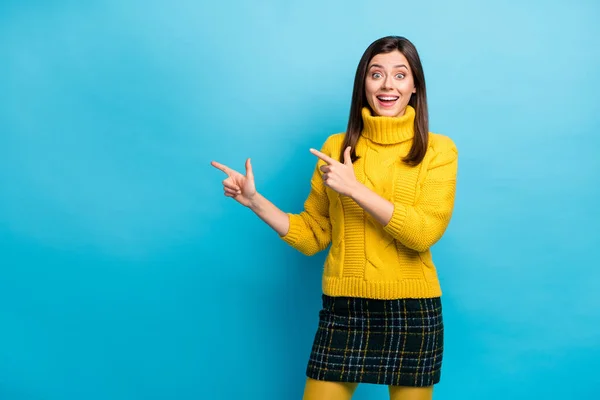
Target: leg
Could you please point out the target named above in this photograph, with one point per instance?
(411, 393)
(323, 390)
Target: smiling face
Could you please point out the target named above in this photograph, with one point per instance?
(389, 84)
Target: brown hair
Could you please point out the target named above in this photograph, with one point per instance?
(418, 100)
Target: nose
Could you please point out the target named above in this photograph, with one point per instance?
(387, 82)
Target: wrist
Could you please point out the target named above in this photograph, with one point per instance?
(255, 202)
(358, 192)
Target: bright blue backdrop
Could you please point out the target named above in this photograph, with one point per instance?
(126, 274)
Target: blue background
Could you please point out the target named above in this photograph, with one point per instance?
(126, 274)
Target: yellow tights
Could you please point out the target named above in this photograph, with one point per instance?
(322, 390)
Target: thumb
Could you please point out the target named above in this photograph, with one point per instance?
(347, 157)
(249, 173)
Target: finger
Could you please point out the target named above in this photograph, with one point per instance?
(229, 185)
(323, 157)
(231, 192)
(347, 156)
(249, 172)
(325, 168)
(221, 167)
(230, 195)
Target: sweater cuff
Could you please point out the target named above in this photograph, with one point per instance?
(396, 224)
(293, 234)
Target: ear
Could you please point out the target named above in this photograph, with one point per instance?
(414, 90)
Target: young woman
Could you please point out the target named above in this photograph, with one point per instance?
(382, 194)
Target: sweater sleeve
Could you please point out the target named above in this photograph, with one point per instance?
(421, 225)
(310, 231)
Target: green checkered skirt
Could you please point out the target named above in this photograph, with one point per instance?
(388, 342)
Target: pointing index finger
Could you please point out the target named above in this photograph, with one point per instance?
(323, 157)
(221, 167)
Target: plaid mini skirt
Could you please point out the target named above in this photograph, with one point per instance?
(388, 342)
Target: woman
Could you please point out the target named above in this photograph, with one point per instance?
(381, 194)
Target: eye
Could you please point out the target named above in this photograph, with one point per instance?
(400, 76)
(376, 75)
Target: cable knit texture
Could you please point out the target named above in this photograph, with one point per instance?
(367, 259)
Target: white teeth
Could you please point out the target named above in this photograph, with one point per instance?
(387, 98)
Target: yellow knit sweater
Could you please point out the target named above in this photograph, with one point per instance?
(367, 259)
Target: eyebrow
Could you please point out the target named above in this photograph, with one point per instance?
(395, 66)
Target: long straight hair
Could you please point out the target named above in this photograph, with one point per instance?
(417, 100)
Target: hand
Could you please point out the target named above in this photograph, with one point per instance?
(337, 176)
(240, 187)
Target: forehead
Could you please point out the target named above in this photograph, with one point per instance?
(390, 59)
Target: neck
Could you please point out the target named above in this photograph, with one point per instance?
(388, 130)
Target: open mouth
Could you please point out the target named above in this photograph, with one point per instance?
(387, 101)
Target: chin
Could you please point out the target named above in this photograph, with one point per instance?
(386, 112)
(389, 113)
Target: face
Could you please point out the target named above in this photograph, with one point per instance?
(389, 84)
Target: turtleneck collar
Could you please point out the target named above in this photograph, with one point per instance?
(388, 130)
